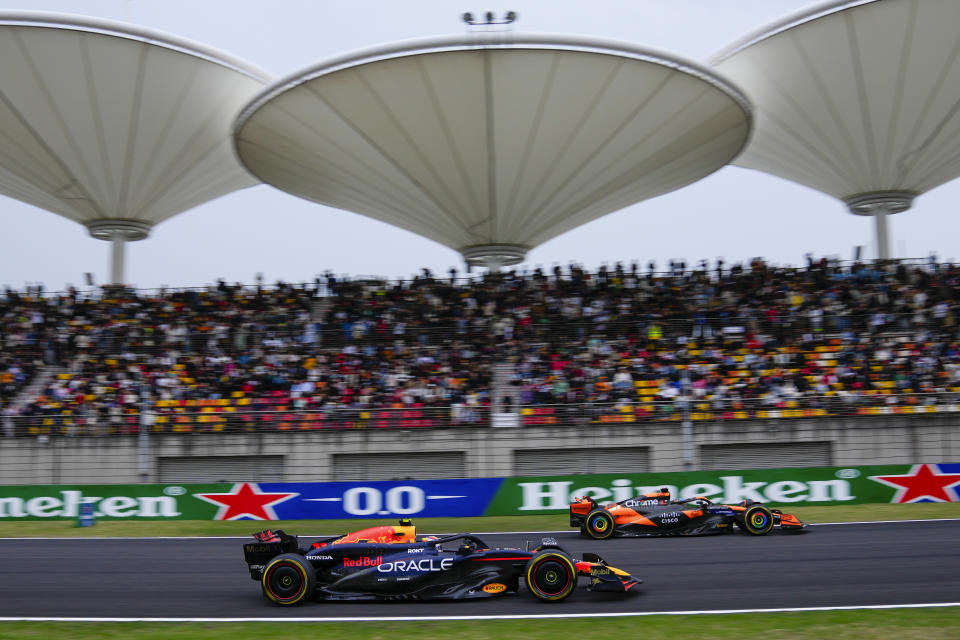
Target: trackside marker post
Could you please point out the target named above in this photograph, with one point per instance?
(86, 517)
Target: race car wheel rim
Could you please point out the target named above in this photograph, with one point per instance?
(599, 524)
(551, 577)
(757, 520)
(284, 582)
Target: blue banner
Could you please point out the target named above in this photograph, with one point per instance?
(339, 500)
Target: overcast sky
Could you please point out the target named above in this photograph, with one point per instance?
(734, 213)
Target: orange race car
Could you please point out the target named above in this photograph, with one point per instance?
(656, 514)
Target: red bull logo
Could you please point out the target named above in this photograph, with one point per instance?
(365, 561)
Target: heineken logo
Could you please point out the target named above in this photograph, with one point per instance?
(543, 496)
(246, 500)
(67, 504)
(922, 483)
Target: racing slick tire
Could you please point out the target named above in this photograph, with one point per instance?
(288, 579)
(551, 575)
(598, 524)
(757, 520)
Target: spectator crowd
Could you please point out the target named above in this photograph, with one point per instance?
(715, 337)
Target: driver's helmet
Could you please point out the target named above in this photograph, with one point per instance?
(661, 497)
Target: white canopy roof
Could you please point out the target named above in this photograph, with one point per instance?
(855, 98)
(492, 143)
(101, 120)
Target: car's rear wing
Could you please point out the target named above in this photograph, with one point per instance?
(269, 544)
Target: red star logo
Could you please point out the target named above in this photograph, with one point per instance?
(245, 500)
(922, 482)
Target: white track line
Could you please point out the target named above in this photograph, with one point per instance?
(503, 617)
(476, 533)
(829, 524)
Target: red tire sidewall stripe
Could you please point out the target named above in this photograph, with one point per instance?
(566, 584)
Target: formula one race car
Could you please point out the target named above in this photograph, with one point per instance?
(655, 514)
(394, 563)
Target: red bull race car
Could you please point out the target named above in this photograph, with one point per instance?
(656, 514)
(394, 563)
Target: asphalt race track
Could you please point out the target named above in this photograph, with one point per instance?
(831, 565)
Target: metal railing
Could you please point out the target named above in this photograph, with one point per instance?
(554, 440)
(724, 410)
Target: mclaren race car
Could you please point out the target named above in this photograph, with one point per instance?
(394, 563)
(656, 514)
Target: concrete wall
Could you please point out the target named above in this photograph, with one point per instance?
(488, 452)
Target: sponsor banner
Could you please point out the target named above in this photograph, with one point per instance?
(822, 486)
(474, 497)
(109, 502)
(252, 500)
(337, 500)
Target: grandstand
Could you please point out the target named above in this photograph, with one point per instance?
(615, 345)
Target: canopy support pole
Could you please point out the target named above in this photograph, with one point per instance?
(118, 244)
(883, 238)
(118, 232)
(880, 204)
(493, 257)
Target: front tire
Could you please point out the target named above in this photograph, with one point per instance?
(551, 576)
(757, 520)
(599, 524)
(288, 579)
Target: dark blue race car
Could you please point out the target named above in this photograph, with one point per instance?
(394, 563)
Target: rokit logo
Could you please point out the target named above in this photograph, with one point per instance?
(424, 565)
(363, 562)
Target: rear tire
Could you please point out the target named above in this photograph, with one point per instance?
(757, 520)
(551, 576)
(288, 579)
(599, 524)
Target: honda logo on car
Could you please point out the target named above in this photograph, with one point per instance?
(423, 565)
(539, 496)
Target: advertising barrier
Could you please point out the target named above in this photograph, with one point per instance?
(474, 497)
(821, 486)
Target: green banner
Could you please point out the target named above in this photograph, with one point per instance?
(110, 501)
(821, 485)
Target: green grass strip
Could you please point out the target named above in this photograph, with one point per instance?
(892, 624)
(553, 522)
